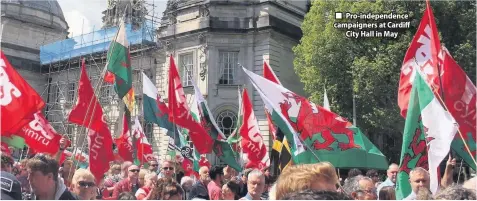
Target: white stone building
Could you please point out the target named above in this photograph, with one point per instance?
(208, 37)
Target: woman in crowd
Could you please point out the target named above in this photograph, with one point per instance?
(83, 184)
(166, 189)
(387, 193)
(318, 176)
(150, 180)
(230, 191)
(142, 174)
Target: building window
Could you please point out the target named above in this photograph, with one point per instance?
(228, 62)
(227, 121)
(70, 97)
(187, 68)
(148, 131)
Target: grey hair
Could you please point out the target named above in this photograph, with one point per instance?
(186, 179)
(257, 173)
(418, 170)
(456, 192)
(352, 184)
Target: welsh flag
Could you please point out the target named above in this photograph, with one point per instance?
(156, 110)
(119, 64)
(18, 100)
(221, 148)
(460, 97)
(179, 112)
(427, 123)
(253, 147)
(144, 149)
(234, 137)
(280, 156)
(324, 134)
(423, 55)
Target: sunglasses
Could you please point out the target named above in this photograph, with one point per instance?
(168, 168)
(86, 184)
(154, 165)
(136, 170)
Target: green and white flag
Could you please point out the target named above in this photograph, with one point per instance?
(221, 148)
(428, 134)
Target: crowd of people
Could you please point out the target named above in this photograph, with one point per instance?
(42, 177)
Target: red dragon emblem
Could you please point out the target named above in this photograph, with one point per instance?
(417, 150)
(310, 122)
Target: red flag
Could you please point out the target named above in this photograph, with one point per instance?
(188, 167)
(40, 136)
(179, 113)
(109, 77)
(460, 99)
(204, 162)
(270, 75)
(252, 141)
(422, 53)
(5, 149)
(124, 144)
(19, 101)
(88, 112)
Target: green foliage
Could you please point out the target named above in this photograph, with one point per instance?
(370, 67)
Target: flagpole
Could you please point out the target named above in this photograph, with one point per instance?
(100, 81)
(445, 107)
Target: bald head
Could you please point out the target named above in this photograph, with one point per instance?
(204, 174)
(393, 169)
(419, 178)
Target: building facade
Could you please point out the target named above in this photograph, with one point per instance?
(210, 41)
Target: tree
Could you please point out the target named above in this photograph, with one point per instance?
(370, 67)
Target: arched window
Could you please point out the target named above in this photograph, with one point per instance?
(227, 121)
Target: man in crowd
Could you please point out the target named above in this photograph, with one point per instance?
(44, 180)
(129, 184)
(373, 174)
(360, 187)
(255, 185)
(11, 187)
(243, 182)
(167, 169)
(153, 165)
(418, 178)
(215, 185)
(199, 189)
(6, 164)
(391, 180)
(125, 168)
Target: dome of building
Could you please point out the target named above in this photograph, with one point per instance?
(45, 12)
(50, 6)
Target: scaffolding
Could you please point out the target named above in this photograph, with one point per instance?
(61, 65)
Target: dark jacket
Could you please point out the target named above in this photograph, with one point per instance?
(198, 190)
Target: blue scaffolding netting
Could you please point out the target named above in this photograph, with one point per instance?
(94, 42)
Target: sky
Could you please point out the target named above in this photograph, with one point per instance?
(84, 16)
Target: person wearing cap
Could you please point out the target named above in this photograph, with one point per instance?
(44, 180)
(11, 187)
